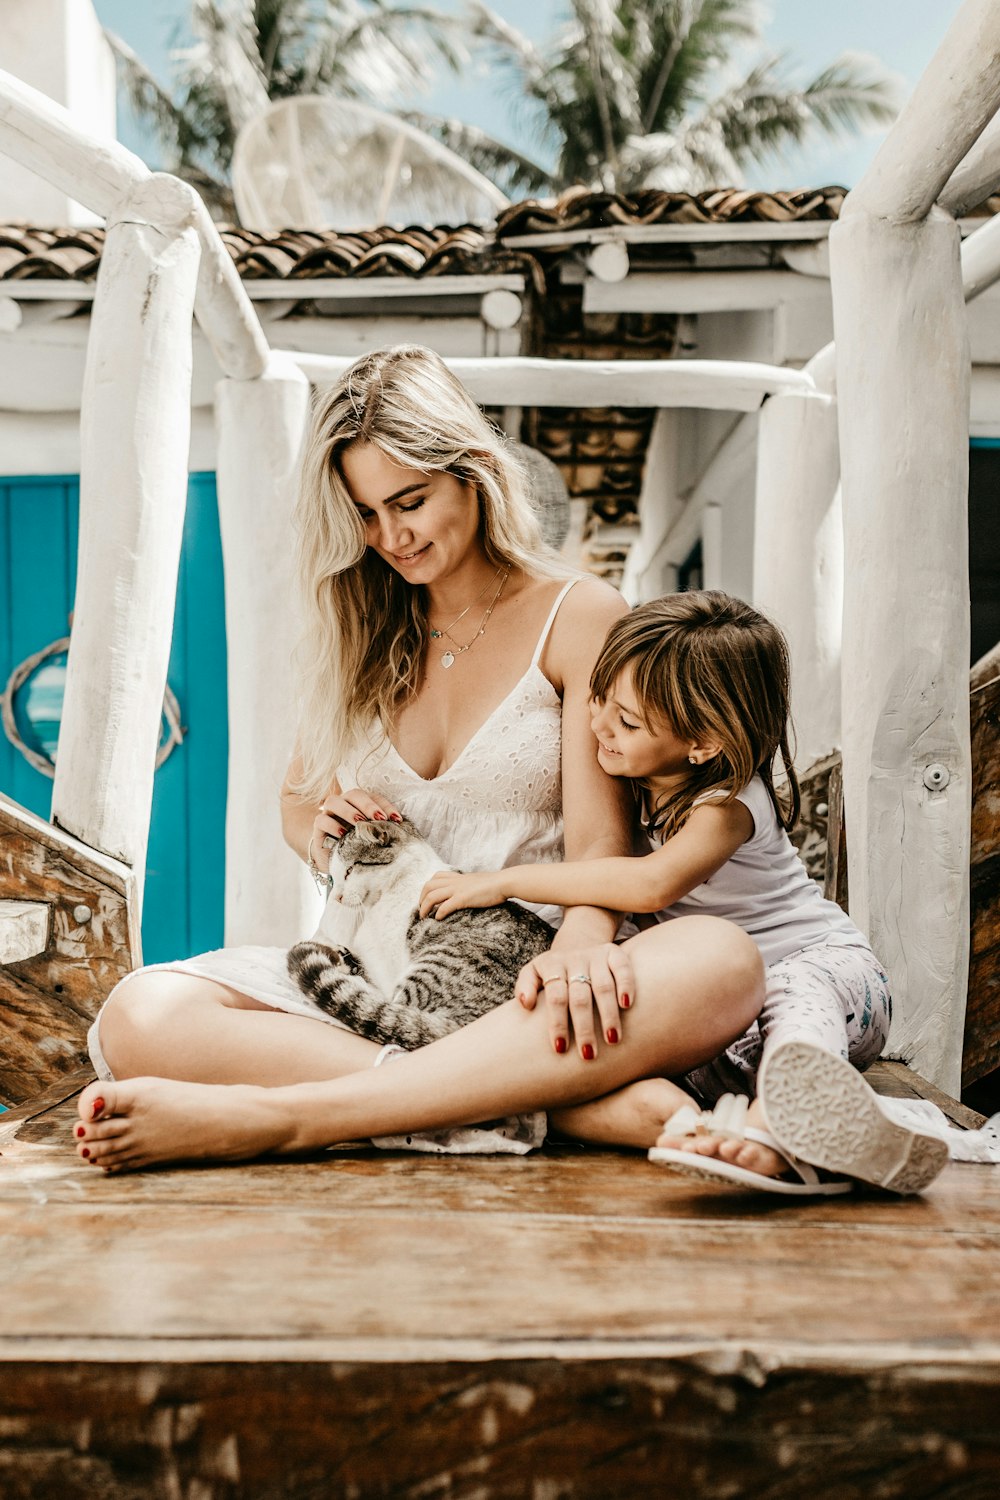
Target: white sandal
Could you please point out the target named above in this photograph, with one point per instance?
(819, 1106)
(727, 1121)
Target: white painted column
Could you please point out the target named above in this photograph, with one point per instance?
(269, 895)
(135, 423)
(903, 388)
(798, 561)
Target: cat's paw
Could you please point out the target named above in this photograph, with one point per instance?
(307, 959)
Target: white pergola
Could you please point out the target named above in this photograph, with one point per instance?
(871, 588)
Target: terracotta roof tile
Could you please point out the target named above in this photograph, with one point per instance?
(582, 209)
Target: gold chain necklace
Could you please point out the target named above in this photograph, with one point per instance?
(449, 657)
(446, 630)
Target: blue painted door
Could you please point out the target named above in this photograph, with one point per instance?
(186, 861)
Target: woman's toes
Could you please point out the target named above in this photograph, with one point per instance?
(96, 1101)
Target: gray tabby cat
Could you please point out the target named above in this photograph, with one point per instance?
(392, 975)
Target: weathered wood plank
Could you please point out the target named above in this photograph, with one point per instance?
(898, 1081)
(981, 1052)
(24, 930)
(550, 1429)
(221, 1271)
(48, 1001)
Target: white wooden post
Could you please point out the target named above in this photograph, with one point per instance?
(135, 422)
(261, 423)
(903, 374)
(798, 557)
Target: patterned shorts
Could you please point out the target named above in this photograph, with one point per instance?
(833, 994)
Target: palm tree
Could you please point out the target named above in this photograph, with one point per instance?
(635, 93)
(246, 53)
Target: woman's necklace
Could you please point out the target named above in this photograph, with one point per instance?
(449, 657)
(437, 634)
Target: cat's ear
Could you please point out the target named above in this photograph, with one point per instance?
(377, 834)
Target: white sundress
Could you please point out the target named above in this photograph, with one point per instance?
(498, 803)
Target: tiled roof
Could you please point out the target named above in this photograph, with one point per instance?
(28, 251)
(581, 209)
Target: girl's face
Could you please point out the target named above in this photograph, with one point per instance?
(424, 524)
(626, 747)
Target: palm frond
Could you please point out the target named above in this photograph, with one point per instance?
(512, 172)
(761, 114)
(147, 98)
(853, 91)
(378, 52)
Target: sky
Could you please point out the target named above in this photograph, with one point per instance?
(902, 34)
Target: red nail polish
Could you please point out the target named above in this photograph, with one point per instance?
(612, 1035)
(95, 1108)
(379, 816)
(395, 818)
(360, 818)
(560, 1044)
(587, 1052)
(625, 1002)
(84, 1150)
(80, 1131)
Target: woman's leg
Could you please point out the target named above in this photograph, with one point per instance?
(179, 1025)
(699, 983)
(630, 1116)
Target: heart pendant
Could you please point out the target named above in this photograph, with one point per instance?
(448, 660)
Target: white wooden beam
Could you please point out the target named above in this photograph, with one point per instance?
(103, 176)
(954, 100)
(24, 930)
(981, 259)
(135, 421)
(44, 137)
(903, 389)
(798, 559)
(666, 234)
(976, 178)
(698, 291)
(724, 385)
(269, 895)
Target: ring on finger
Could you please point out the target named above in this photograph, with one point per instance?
(581, 979)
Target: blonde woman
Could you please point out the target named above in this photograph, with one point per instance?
(446, 673)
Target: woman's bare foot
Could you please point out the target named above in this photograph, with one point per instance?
(748, 1154)
(145, 1121)
(630, 1116)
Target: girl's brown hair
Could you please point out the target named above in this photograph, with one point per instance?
(712, 668)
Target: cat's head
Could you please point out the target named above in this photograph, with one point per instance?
(359, 857)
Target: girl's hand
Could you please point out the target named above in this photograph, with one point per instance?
(339, 811)
(449, 891)
(584, 991)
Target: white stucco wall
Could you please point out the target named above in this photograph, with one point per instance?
(56, 46)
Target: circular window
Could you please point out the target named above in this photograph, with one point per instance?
(31, 709)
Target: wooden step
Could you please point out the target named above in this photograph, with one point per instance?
(69, 931)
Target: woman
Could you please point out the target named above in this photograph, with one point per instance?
(446, 672)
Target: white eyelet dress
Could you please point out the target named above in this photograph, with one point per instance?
(499, 803)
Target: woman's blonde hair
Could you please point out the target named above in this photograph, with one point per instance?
(364, 627)
(711, 668)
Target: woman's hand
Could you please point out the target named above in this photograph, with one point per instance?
(339, 811)
(584, 990)
(450, 890)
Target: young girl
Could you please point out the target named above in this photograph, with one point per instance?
(690, 702)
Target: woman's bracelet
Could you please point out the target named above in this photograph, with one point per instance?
(323, 881)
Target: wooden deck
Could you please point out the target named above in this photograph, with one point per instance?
(571, 1324)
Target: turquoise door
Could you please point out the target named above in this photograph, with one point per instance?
(186, 862)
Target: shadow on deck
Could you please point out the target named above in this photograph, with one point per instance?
(572, 1324)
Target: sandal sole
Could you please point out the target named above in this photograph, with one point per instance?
(820, 1109)
(728, 1174)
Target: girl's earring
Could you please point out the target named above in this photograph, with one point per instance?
(693, 759)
